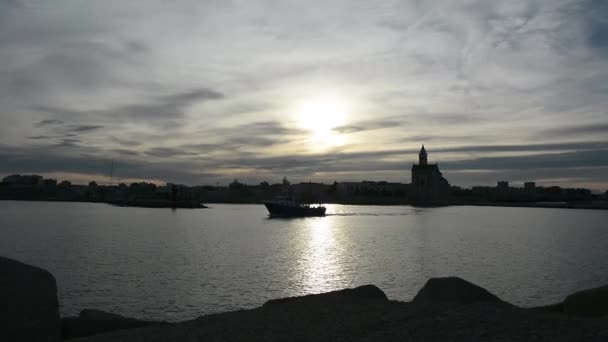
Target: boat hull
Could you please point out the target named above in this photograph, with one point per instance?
(278, 210)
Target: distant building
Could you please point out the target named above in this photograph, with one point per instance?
(529, 186)
(370, 188)
(65, 184)
(482, 190)
(50, 182)
(309, 192)
(428, 184)
(502, 185)
(23, 180)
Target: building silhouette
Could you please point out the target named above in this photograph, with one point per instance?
(428, 184)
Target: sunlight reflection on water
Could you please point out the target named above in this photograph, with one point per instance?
(321, 267)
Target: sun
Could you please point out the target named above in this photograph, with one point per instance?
(321, 117)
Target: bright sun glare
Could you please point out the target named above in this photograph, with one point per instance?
(321, 116)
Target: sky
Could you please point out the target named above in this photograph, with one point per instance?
(205, 91)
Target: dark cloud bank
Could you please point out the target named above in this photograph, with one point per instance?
(588, 158)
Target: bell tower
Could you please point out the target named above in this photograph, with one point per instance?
(422, 157)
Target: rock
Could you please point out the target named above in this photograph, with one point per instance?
(29, 309)
(365, 315)
(453, 290)
(92, 322)
(98, 315)
(590, 303)
(365, 292)
(557, 307)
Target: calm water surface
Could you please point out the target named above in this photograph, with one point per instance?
(175, 265)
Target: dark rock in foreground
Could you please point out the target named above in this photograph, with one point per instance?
(445, 309)
(364, 314)
(592, 303)
(98, 315)
(28, 303)
(587, 303)
(453, 290)
(558, 307)
(366, 292)
(93, 322)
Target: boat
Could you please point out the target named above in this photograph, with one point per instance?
(284, 206)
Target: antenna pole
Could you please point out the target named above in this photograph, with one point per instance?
(112, 173)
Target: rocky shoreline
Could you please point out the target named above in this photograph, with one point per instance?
(445, 309)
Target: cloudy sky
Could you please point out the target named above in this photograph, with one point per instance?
(204, 91)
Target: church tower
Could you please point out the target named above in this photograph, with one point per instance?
(428, 184)
(422, 157)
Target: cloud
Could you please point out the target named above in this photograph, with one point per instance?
(35, 160)
(436, 138)
(80, 67)
(525, 148)
(599, 36)
(135, 46)
(260, 128)
(6, 6)
(192, 96)
(125, 142)
(167, 152)
(162, 109)
(590, 154)
(368, 125)
(68, 142)
(579, 130)
(349, 129)
(469, 149)
(588, 177)
(591, 158)
(250, 141)
(256, 135)
(450, 119)
(175, 164)
(125, 152)
(84, 128)
(45, 123)
(595, 14)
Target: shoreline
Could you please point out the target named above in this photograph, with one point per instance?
(603, 205)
